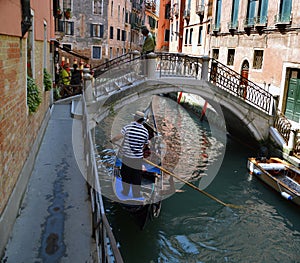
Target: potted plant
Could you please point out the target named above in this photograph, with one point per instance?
(68, 13)
(58, 13)
(47, 80)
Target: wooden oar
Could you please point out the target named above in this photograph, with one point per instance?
(192, 186)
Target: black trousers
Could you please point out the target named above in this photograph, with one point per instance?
(131, 172)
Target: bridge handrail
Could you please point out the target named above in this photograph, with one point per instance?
(178, 64)
(125, 58)
(102, 232)
(231, 81)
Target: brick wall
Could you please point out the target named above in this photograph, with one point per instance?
(18, 128)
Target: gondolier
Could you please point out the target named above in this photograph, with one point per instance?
(135, 137)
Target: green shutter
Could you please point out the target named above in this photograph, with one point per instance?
(292, 111)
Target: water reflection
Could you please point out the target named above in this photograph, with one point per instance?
(194, 228)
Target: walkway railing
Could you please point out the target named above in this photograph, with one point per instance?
(107, 249)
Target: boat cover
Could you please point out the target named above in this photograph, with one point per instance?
(272, 166)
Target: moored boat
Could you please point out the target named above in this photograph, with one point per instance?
(278, 174)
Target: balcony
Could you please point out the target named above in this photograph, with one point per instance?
(233, 26)
(216, 28)
(283, 19)
(260, 22)
(249, 23)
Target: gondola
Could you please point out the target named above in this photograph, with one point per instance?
(148, 206)
(278, 174)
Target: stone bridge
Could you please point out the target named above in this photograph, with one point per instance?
(247, 109)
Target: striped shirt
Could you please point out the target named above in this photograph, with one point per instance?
(135, 136)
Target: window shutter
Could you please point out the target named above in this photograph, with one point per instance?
(91, 30)
(101, 31)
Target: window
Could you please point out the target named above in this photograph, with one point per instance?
(167, 11)
(118, 34)
(97, 30)
(285, 10)
(215, 53)
(230, 57)
(257, 12)
(186, 36)
(234, 14)
(110, 53)
(127, 15)
(67, 46)
(200, 35)
(67, 4)
(258, 59)
(97, 7)
(119, 13)
(96, 52)
(218, 14)
(123, 35)
(69, 28)
(112, 8)
(167, 35)
(191, 36)
(111, 32)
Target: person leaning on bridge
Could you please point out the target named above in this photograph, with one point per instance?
(65, 75)
(135, 137)
(149, 43)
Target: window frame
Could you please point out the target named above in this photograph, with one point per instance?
(92, 52)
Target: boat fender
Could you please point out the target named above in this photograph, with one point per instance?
(286, 195)
(257, 172)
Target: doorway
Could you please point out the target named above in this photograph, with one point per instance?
(292, 110)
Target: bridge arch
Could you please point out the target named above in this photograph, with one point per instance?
(241, 119)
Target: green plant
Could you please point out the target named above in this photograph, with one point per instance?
(33, 95)
(47, 80)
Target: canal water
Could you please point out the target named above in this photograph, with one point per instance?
(193, 227)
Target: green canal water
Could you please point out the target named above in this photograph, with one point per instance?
(191, 226)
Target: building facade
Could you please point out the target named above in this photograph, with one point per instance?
(25, 31)
(257, 38)
(101, 30)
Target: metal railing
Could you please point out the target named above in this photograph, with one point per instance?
(296, 149)
(234, 83)
(107, 249)
(174, 64)
(283, 126)
(113, 63)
